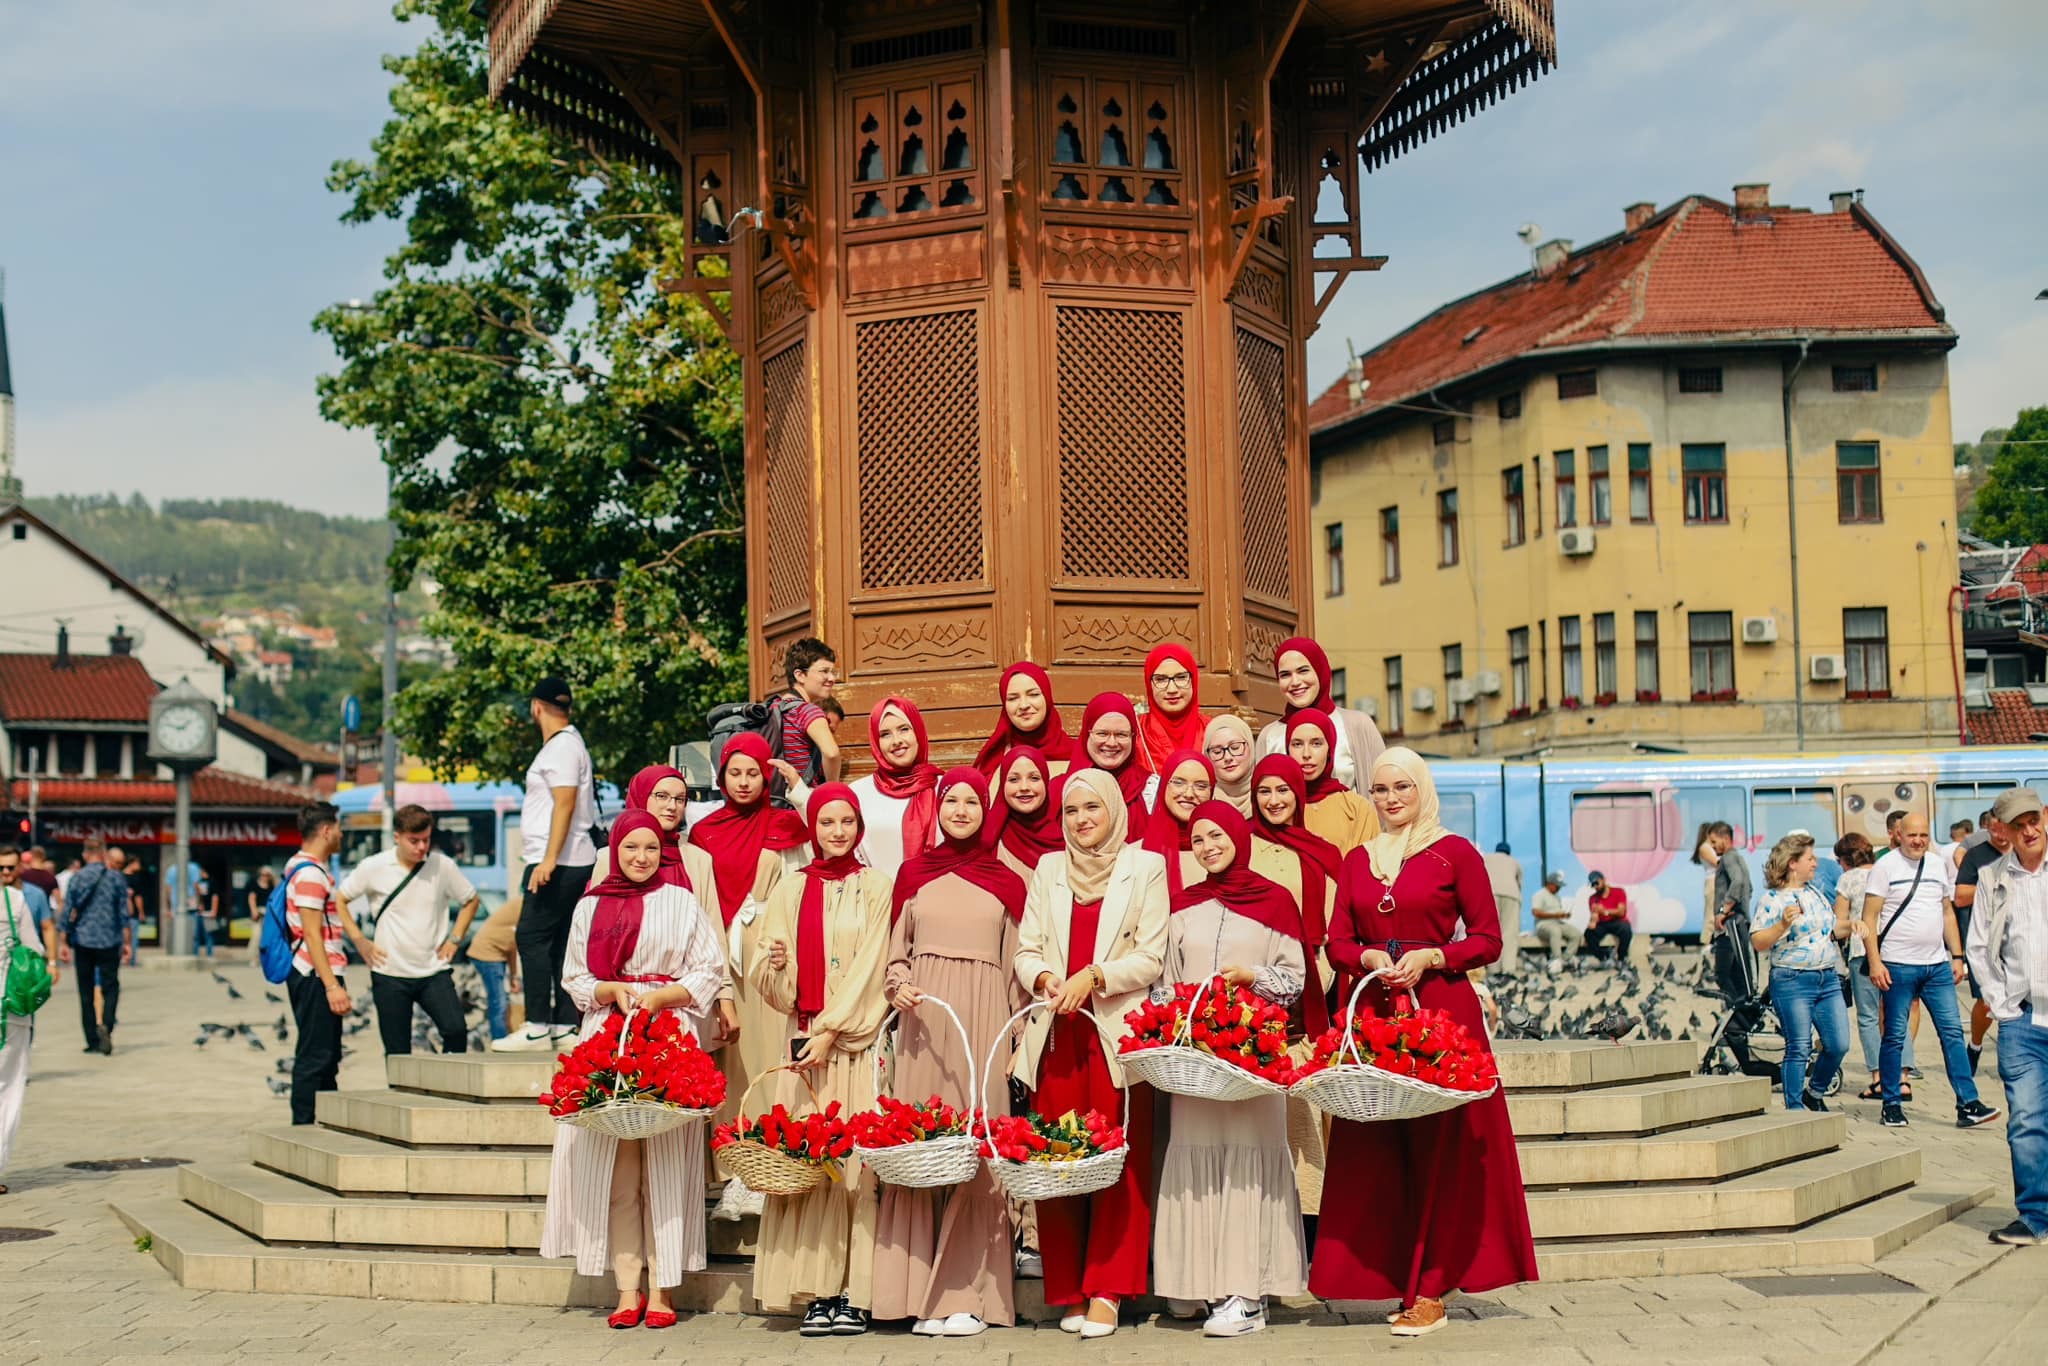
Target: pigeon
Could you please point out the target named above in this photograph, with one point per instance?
(273, 998)
(1616, 1024)
(1517, 1023)
(279, 1086)
(286, 1064)
(200, 1042)
(257, 1044)
(212, 1028)
(233, 995)
(221, 978)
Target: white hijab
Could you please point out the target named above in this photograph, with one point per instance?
(1397, 844)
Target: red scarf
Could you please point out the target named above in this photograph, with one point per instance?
(1162, 735)
(621, 905)
(811, 964)
(970, 857)
(1029, 836)
(1049, 737)
(917, 783)
(1325, 785)
(1130, 775)
(1317, 660)
(1320, 859)
(1259, 898)
(637, 792)
(1165, 834)
(736, 836)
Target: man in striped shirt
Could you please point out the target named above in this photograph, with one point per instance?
(807, 740)
(319, 996)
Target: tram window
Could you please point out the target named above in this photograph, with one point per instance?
(1780, 810)
(466, 838)
(1458, 812)
(1613, 822)
(1698, 805)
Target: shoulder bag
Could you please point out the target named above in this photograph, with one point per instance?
(1863, 963)
(28, 972)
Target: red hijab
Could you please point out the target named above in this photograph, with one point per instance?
(1165, 835)
(811, 959)
(1324, 786)
(1161, 734)
(1130, 775)
(1320, 859)
(637, 792)
(621, 904)
(1049, 737)
(971, 857)
(917, 783)
(1028, 837)
(1319, 660)
(735, 836)
(1256, 897)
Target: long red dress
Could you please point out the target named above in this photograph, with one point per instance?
(1440, 1204)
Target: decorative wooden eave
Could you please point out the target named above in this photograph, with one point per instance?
(1515, 44)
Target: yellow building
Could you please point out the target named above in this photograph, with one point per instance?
(1560, 513)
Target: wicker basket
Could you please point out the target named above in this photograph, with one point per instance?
(1055, 1180)
(1365, 1094)
(633, 1117)
(767, 1170)
(1186, 1070)
(946, 1161)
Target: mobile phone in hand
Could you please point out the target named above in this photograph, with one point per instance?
(797, 1046)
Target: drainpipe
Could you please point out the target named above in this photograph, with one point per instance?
(1792, 541)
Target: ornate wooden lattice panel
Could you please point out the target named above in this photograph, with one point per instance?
(1262, 453)
(1123, 454)
(786, 476)
(1113, 141)
(914, 149)
(919, 394)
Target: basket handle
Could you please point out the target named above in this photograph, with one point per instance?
(966, 1051)
(1350, 1043)
(988, 1075)
(785, 1067)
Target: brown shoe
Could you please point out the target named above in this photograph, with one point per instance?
(1424, 1316)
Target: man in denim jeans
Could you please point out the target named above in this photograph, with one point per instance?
(1916, 952)
(2009, 954)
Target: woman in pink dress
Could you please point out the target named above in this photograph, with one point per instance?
(1443, 1209)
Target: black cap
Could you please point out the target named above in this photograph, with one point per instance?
(553, 691)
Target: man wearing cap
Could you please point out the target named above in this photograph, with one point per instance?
(555, 820)
(1609, 907)
(1553, 922)
(2008, 951)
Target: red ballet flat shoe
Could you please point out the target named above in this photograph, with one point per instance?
(629, 1318)
(661, 1318)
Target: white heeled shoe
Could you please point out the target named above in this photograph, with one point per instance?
(1090, 1328)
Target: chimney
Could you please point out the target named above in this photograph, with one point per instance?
(63, 647)
(1552, 254)
(1752, 201)
(1840, 200)
(1354, 380)
(120, 643)
(1635, 215)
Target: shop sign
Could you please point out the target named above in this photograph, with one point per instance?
(207, 830)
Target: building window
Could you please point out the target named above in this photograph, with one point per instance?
(1536, 493)
(1567, 488)
(1390, 545)
(1857, 494)
(1571, 662)
(1864, 637)
(1706, 484)
(1648, 687)
(1447, 527)
(1638, 482)
(1444, 431)
(106, 754)
(1606, 669)
(1340, 692)
(1518, 669)
(1597, 488)
(1578, 383)
(1699, 379)
(1396, 699)
(1454, 674)
(1333, 557)
(1510, 406)
(1543, 664)
(1855, 379)
(70, 745)
(1712, 637)
(1513, 506)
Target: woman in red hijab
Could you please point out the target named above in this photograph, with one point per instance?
(1334, 811)
(1173, 716)
(1030, 718)
(899, 800)
(943, 1257)
(1109, 741)
(1305, 682)
(1026, 823)
(1190, 780)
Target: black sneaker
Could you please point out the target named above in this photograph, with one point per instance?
(817, 1320)
(1973, 1113)
(1976, 1052)
(847, 1321)
(1814, 1102)
(1893, 1115)
(2017, 1234)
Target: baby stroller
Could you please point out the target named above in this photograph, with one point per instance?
(1748, 1038)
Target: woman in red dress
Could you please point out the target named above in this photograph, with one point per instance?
(1444, 1208)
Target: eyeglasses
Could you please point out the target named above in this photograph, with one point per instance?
(1100, 734)
(666, 799)
(1179, 680)
(1381, 790)
(1236, 749)
(1187, 785)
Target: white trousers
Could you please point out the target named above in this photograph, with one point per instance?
(13, 1081)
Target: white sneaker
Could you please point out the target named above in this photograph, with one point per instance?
(563, 1033)
(1235, 1317)
(736, 1202)
(928, 1328)
(963, 1326)
(523, 1041)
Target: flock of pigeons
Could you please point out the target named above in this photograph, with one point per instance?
(424, 1038)
(1587, 998)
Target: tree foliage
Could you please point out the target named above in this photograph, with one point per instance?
(2012, 505)
(563, 438)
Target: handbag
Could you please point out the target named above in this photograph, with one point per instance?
(28, 973)
(1863, 963)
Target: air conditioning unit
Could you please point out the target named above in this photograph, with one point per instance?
(1462, 690)
(1826, 668)
(1976, 699)
(1489, 682)
(1575, 540)
(1422, 699)
(1759, 630)
(1369, 705)
(2037, 693)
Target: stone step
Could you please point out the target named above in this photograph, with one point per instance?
(1710, 1152)
(1783, 1197)
(472, 1076)
(1636, 1108)
(202, 1253)
(1561, 1064)
(435, 1121)
(356, 1164)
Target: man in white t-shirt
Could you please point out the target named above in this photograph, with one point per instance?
(1917, 954)
(555, 823)
(404, 894)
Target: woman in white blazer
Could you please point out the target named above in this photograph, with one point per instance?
(1094, 936)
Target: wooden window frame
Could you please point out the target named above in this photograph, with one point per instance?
(1705, 488)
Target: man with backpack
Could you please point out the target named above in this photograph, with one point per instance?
(99, 931)
(808, 745)
(407, 891)
(28, 957)
(319, 997)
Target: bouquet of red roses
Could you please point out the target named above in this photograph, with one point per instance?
(817, 1139)
(921, 1143)
(651, 1060)
(1034, 1138)
(1233, 1024)
(893, 1123)
(1428, 1045)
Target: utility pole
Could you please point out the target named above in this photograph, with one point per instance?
(390, 755)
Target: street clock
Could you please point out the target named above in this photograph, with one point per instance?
(184, 727)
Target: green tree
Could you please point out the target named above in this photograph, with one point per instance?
(2013, 503)
(563, 438)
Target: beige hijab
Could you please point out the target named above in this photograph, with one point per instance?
(1397, 844)
(1088, 869)
(1230, 726)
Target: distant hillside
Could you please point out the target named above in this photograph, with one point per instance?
(195, 550)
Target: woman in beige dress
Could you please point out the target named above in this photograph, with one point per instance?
(827, 937)
(1228, 745)
(942, 1256)
(1229, 1230)
(1334, 811)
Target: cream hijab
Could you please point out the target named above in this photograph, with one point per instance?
(1230, 726)
(1088, 869)
(1397, 844)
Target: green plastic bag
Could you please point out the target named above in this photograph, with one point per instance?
(28, 973)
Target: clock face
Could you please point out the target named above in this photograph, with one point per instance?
(181, 730)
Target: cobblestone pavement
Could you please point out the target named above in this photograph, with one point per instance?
(86, 1294)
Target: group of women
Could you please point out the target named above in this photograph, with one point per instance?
(891, 934)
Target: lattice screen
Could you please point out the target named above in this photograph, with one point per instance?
(786, 480)
(920, 450)
(1122, 444)
(1262, 454)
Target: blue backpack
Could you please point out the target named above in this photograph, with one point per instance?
(276, 951)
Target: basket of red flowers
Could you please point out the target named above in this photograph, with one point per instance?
(1419, 1062)
(777, 1153)
(1210, 1040)
(924, 1142)
(639, 1075)
(1036, 1158)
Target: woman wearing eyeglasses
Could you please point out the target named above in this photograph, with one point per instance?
(1306, 682)
(1228, 744)
(1109, 741)
(1173, 717)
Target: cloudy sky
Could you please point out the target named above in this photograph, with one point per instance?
(167, 235)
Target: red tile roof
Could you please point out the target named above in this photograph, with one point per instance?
(269, 736)
(1695, 271)
(92, 688)
(2013, 719)
(211, 787)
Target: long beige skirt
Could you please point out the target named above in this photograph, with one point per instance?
(1229, 1221)
(821, 1244)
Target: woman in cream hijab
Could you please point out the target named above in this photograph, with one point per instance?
(1228, 745)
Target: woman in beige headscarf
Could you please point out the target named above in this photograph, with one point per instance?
(1228, 745)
